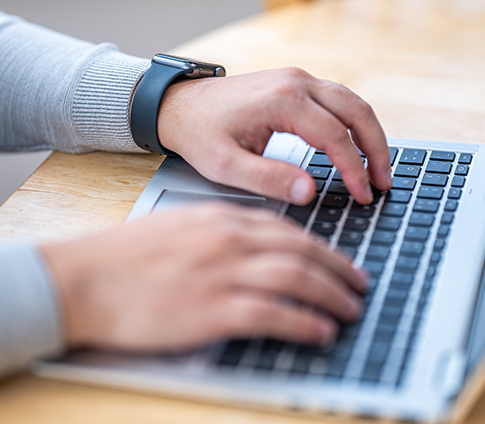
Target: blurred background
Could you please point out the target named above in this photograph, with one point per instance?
(141, 28)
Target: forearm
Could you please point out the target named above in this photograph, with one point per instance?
(30, 317)
(62, 93)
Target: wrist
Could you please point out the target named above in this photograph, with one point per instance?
(70, 270)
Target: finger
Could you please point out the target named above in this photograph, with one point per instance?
(268, 177)
(323, 130)
(290, 275)
(247, 316)
(358, 116)
(276, 236)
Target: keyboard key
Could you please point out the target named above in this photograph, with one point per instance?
(266, 360)
(403, 183)
(362, 211)
(435, 179)
(300, 365)
(349, 251)
(301, 213)
(390, 316)
(447, 218)
(319, 185)
(400, 279)
(335, 200)
(439, 245)
(337, 176)
(328, 214)
(398, 196)
(414, 249)
(394, 209)
(273, 345)
(405, 263)
(393, 153)
(424, 205)
(356, 224)
(458, 181)
(377, 194)
(378, 352)
(421, 219)
(233, 353)
(430, 193)
(375, 268)
(318, 172)
(319, 159)
(383, 238)
(416, 234)
(380, 253)
(395, 301)
(443, 231)
(435, 258)
(388, 223)
(337, 187)
(454, 193)
(384, 333)
(336, 367)
(439, 155)
(430, 272)
(465, 158)
(325, 229)
(439, 167)
(407, 171)
(350, 238)
(461, 170)
(413, 157)
(451, 205)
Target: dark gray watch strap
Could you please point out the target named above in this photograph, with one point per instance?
(146, 104)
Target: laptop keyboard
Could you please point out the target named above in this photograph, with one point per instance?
(399, 239)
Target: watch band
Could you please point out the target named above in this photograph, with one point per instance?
(146, 104)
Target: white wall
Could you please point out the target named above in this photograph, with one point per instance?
(138, 27)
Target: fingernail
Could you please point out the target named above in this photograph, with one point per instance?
(300, 191)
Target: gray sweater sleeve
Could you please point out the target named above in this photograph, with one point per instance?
(30, 324)
(62, 93)
(56, 92)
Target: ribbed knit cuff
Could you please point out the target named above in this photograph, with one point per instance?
(30, 322)
(101, 109)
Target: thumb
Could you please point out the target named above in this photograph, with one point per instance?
(268, 177)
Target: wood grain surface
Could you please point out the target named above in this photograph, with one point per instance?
(420, 63)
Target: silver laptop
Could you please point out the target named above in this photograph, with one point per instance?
(417, 351)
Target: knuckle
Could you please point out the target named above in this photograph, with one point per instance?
(228, 234)
(365, 109)
(295, 72)
(289, 83)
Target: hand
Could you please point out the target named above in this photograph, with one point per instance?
(222, 125)
(187, 277)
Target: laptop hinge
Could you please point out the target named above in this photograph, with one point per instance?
(450, 372)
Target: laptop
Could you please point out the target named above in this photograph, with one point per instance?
(417, 351)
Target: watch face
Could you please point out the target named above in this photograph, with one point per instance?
(195, 68)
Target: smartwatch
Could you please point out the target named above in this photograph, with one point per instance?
(151, 88)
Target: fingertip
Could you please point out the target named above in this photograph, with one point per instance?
(302, 190)
(327, 331)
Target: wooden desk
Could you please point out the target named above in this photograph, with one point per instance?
(420, 63)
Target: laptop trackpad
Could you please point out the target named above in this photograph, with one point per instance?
(176, 198)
